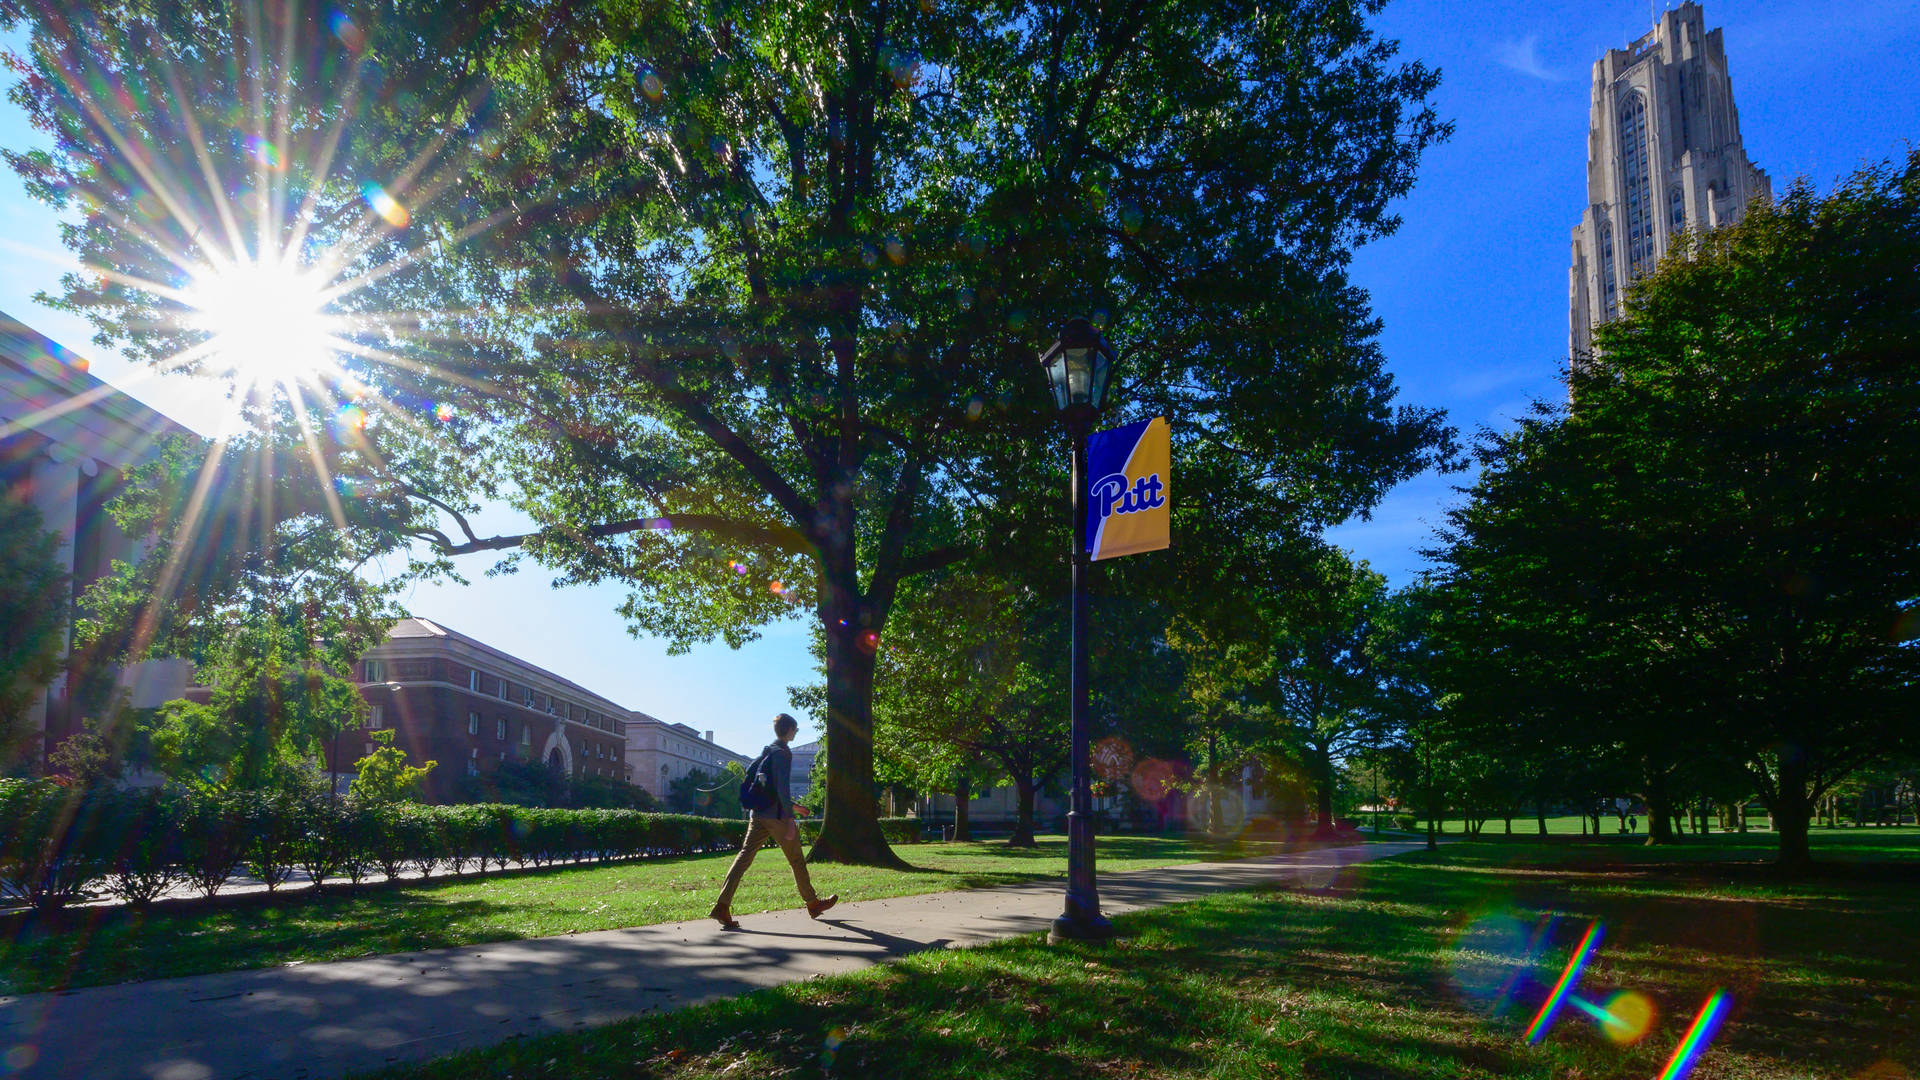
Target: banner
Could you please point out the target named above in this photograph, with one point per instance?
(1129, 489)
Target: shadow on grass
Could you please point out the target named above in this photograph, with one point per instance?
(1398, 970)
(98, 946)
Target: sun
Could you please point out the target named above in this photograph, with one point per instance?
(267, 321)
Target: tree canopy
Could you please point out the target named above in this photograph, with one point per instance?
(740, 302)
(1707, 560)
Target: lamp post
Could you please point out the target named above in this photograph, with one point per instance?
(1079, 367)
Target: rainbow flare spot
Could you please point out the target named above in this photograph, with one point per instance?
(1575, 964)
(265, 153)
(385, 205)
(1712, 1013)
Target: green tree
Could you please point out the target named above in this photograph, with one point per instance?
(1314, 681)
(758, 287)
(707, 794)
(1710, 555)
(384, 775)
(974, 668)
(271, 711)
(34, 603)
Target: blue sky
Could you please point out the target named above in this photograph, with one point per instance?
(1472, 290)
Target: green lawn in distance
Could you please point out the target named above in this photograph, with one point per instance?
(1414, 968)
(95, 946)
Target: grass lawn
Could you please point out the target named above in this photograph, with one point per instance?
(91, 946)
(1412, 968)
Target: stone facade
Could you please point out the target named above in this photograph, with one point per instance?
(67, 440)
(658, 753)
(1664, 155)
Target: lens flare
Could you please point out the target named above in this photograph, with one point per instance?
(1712, 1013)
(1575, 965)
(385, 205)
(1626, 1018)
(443, 412)
(265, 153)
(344, 29)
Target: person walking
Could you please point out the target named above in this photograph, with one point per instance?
(776, 822)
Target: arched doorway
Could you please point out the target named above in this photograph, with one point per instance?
(557, 754)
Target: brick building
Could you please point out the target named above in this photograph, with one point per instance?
(470, 707)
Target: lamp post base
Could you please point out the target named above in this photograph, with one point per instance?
(1085, 928)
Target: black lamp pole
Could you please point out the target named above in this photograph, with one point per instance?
(1080, 365)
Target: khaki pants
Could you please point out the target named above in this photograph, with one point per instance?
(783, 831)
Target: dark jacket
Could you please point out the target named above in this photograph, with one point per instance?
(778, 770)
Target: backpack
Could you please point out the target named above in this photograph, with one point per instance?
(756, 793)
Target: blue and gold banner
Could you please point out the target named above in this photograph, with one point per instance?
(1129, 489)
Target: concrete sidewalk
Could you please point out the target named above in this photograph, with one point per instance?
(327, 1020)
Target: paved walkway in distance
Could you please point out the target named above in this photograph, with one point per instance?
(309, 1021)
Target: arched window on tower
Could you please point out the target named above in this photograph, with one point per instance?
(1608, 291)
(1636, 184)
(1676, 209)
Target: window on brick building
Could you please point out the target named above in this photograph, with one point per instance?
(500, 729)
(377, 717)
(473, 679)
(473, 723)
(526, 735)
(503, 689)
(375, 671)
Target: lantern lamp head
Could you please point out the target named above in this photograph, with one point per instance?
(1079, 368)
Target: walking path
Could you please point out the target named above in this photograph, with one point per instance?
(308, 1021)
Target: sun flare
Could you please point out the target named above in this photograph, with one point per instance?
(267, 321)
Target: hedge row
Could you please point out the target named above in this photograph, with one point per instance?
(58, 845)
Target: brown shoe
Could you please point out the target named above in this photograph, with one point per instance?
(725, 918)
(815, 909)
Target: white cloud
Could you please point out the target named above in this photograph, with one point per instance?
(1523, 56)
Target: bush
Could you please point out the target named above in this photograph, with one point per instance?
(54, 841)
(1407, 823)
(57, 843)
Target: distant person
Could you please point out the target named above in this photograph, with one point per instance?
(1633, 824)
(776, 764)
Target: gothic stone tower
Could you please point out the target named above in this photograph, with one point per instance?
(1663, 155)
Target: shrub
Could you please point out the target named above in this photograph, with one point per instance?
(57, 842)
(147, 860)
(274, 823)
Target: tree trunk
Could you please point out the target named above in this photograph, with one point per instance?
(1023, 824)
(1540, 815)
(1793, 820)
(962, 795)
(1793, 809)
(1659, 811)
(850, 829)
(1323, 794)
(1432, 811)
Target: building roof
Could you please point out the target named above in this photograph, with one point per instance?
(46, 388)
(416, 629)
